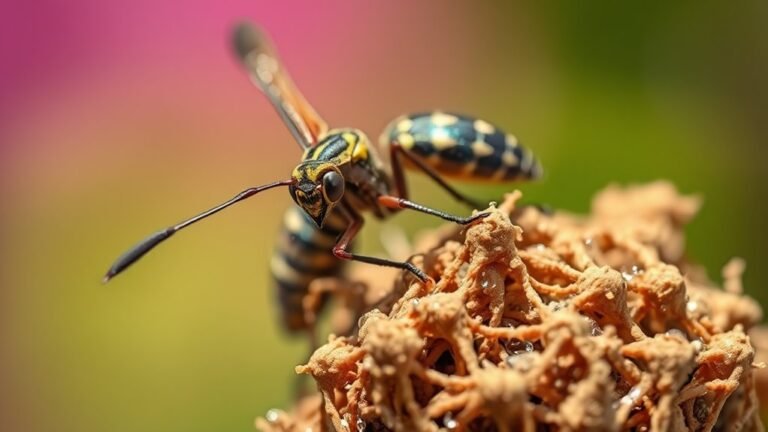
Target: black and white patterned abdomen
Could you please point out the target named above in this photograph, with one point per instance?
(303, 253)
(463, 147)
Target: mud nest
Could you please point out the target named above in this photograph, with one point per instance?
(540, 321)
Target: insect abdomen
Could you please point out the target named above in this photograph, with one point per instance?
(463, 147)
(303, 253)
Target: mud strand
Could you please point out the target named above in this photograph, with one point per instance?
(539, 321)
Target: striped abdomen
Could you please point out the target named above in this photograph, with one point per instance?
(303, 253)
(463, 147)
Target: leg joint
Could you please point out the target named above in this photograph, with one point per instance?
(341, 253)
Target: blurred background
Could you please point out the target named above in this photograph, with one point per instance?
(117, 119)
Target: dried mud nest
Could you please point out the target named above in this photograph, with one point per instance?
(540, 321)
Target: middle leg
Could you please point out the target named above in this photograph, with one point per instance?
(401, 201)
(396, 151)
(340, 250)
(394, 202)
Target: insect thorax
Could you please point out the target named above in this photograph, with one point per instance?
(340, 146)
(350, 152)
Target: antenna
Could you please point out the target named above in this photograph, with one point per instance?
(146, 245)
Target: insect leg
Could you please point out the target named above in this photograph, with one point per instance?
(402, 203)
(341, 252)
(395, 150)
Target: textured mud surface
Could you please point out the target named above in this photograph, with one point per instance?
(540, 321)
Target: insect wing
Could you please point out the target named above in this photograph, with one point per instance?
(260, 59)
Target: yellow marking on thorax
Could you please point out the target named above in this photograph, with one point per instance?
(311, 172)
(356, 149)
(314, 150)
(350, 138)
(360, 150)
(297, 172)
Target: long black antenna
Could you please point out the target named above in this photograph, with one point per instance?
(146, 245)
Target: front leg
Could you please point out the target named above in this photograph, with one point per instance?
(396, 150)
(394, 202)
(401, 201)
(340, 250)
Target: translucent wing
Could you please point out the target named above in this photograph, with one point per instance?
(259, 57)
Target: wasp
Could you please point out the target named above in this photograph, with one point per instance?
(341, 177)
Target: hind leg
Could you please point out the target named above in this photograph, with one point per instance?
(396, 151)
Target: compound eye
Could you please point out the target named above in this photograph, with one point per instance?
(333, 186)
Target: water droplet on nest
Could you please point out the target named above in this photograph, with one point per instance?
(360, 425)
(449, 422)
(692, 306)
(368, 363)
(594, 327)
(631, 397)
(487, 281)
(344, 425)
(509, 322)
(528, 346)
(629, 274)
(517, 347)
(677, 333)
(272, 415)
(698, 345)
(578, 372)
(556, 305)
(521, 361)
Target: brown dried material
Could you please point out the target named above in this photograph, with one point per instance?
(541, 321)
